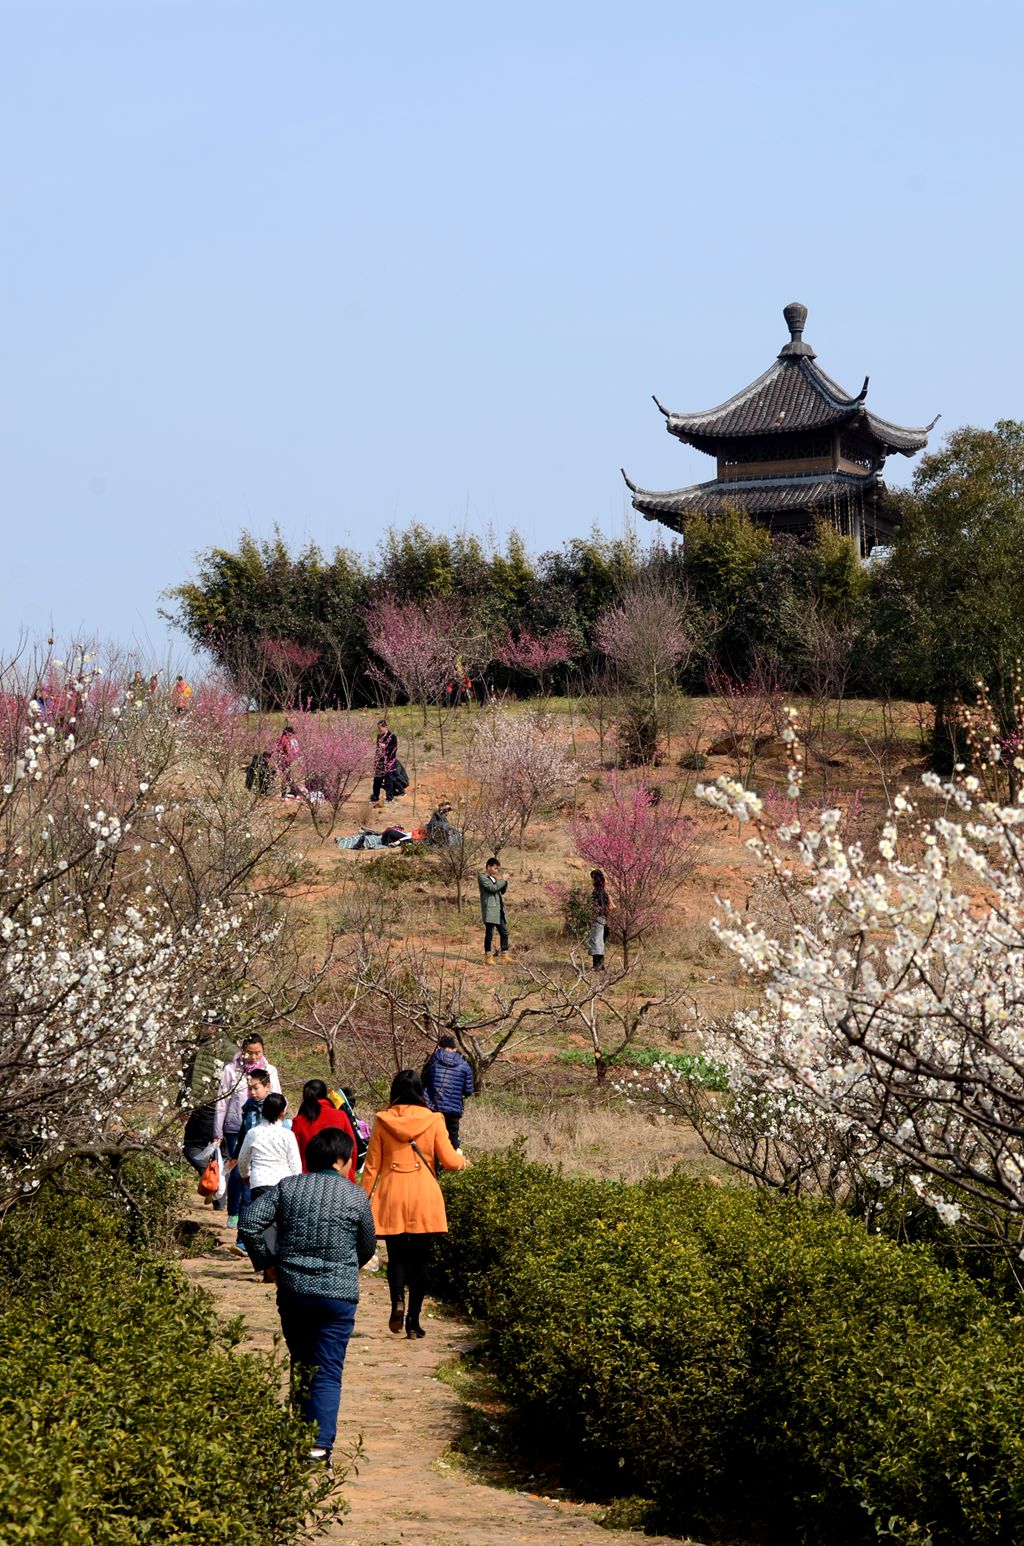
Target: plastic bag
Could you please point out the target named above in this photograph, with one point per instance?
(212, 1182)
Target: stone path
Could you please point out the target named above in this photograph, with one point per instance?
(406, 1491)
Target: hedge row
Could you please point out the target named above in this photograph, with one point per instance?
(126, 1415)
(744, 1362)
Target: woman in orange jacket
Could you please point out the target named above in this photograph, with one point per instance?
(407, 1144)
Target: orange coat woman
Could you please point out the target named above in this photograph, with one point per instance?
(408, 1144)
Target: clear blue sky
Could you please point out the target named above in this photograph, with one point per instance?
(338, 266)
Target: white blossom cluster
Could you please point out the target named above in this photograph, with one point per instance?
(125, 917)
(890, 1032)
(521, 762)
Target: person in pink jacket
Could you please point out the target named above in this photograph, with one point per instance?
(232, 1093)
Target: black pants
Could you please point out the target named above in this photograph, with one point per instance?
(489, 929)
(451, 1122)
(408, 1256)
(383, 781)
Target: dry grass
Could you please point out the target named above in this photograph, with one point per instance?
(585, 1138)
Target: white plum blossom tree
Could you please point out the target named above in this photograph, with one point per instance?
(135, 899)
(520, 763)
(888, 1042)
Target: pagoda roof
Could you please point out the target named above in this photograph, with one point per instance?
(758, 496)
(793, 394)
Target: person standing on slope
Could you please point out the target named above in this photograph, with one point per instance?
(385, 756)
(493, 885)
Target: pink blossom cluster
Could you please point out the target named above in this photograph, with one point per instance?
(535, 654)
(645, 848)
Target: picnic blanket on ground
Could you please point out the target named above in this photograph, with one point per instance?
(392, 838)
(360, 840)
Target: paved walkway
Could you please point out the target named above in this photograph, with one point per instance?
(406, 1491)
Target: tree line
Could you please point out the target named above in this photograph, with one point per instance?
(429, 613)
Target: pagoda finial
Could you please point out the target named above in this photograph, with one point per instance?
(796, 317)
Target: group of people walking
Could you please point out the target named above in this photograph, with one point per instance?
(307, 1219)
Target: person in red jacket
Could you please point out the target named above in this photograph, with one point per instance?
(316, 1113)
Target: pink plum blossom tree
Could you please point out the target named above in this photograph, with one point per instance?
(334, 754)
(285, 664)
(646, 851)
(536, 655)
(418, 645)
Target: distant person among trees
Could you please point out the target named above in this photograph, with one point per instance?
(181, 696)
(439, 830)
(448, 1080)
(317, 1113)
(137, 691)
(324, 1235)
(259, 774)
(286, 754)
(460, 688)
(407, 1144)
(600, 907)
(493, 885)
(385, 756)
(232, 1093)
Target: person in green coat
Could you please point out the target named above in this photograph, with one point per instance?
(493, 885)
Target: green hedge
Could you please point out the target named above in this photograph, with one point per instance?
(125, 1414)
(743, 1361)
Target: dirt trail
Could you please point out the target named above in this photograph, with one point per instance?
(406, 1490)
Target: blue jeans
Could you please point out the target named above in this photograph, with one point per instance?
(317, 1332)
(238, 1190)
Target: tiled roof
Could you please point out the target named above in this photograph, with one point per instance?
(758, 496)
(794, 393)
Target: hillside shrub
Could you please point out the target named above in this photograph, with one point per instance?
(576, 906)
(745, 1361)
(126, 1412)
(685, 1065)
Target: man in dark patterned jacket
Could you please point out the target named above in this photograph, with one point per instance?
(324, 1234)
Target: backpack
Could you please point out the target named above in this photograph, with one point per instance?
(359, 1127)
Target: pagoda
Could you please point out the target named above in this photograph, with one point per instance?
(793, 450)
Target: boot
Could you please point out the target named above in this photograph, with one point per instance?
(397, 1315)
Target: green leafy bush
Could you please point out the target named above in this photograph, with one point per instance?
(576, 906)
(126, 1414)
(691, 1065)
(744, 1361)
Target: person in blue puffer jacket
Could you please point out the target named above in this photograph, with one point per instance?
(447, 1080)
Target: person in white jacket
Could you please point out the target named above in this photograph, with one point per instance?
(269, 1150)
